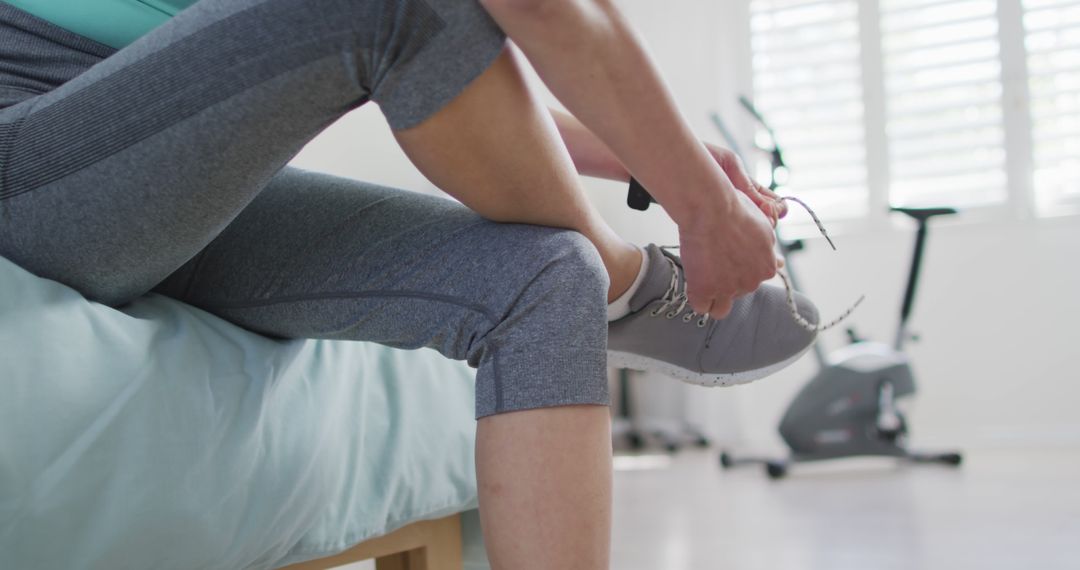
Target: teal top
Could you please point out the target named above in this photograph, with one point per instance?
(115, 23)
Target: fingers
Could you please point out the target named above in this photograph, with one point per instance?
(717, 303)
(736, 171)
(700, 301)
(720, 309)
(725, 261)
(771, 211)
(765, 190)
(716, 307)
(719, 306)
(707, 300)
(766, 200)
(779, 206)
(733, 167)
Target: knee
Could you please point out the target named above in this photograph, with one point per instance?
(552, 293)
(549, 349)
(575, 270)
(559, 296)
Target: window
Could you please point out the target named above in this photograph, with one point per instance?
(807, 84)
(1053, 48)
(946, 138)
(904, 101)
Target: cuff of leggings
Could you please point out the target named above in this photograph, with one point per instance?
(512, 381)
(460, 52)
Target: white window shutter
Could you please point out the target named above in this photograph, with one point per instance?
(807, 84)
(1053, 47)
(943, 97)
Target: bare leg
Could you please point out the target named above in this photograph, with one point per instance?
(495, 148)
(545, 488)
(544, 474)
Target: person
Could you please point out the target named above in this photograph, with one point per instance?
(161, 166)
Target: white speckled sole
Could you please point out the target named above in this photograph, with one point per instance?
(618, 359)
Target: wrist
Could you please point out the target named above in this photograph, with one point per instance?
(700, 204)
(690, 185)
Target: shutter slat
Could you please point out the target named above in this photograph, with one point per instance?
(945, 130)
(1053, 36)
(780, 43)
(892, 8)
(924, 26)
(808, 84)
(951, 143)
(946, 42)
(935, 107)
(930, 90)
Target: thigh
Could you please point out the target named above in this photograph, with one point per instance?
(321, 256)
(114, 179)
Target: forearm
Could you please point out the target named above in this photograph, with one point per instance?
(617, 93)
(590, 155)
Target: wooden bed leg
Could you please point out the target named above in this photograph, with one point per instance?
(442, 551)
(425, 545)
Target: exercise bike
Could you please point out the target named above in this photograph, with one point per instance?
(849, 408)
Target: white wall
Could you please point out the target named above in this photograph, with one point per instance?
(998, 307)
(360, 145)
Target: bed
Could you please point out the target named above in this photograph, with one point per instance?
(159, 436)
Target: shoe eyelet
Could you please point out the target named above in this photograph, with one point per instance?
(671, 315)
(701, 323)
(687, 317)
(654, 312)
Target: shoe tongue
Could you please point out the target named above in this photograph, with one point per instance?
(657, 278)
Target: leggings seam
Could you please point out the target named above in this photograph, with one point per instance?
(194, 271)
(8, 134)
(33, 173)
(449, 299)
(468, 305)
(22, 89)
(61, 35)
(497, 380)
(50, 178)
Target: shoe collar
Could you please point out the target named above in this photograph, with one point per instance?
(657, 277)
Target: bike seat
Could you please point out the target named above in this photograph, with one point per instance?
(922, 214)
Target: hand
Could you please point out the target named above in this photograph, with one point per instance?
(727, 251)
(766, 200)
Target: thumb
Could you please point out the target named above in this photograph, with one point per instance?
(721, 307)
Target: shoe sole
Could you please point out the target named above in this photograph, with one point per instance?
(618, 359)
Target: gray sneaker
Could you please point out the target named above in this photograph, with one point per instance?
(663, 334)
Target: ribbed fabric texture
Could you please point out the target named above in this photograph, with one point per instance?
(36, 56)
(392, 45)
(264, 35)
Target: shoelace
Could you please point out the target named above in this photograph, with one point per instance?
(673, 296)
(792, 307)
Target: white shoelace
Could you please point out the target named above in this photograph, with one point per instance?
(675, 297)
(792, 307)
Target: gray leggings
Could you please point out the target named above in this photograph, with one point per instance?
(160, 168)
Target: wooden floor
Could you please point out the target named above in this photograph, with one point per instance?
(1003, 510)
